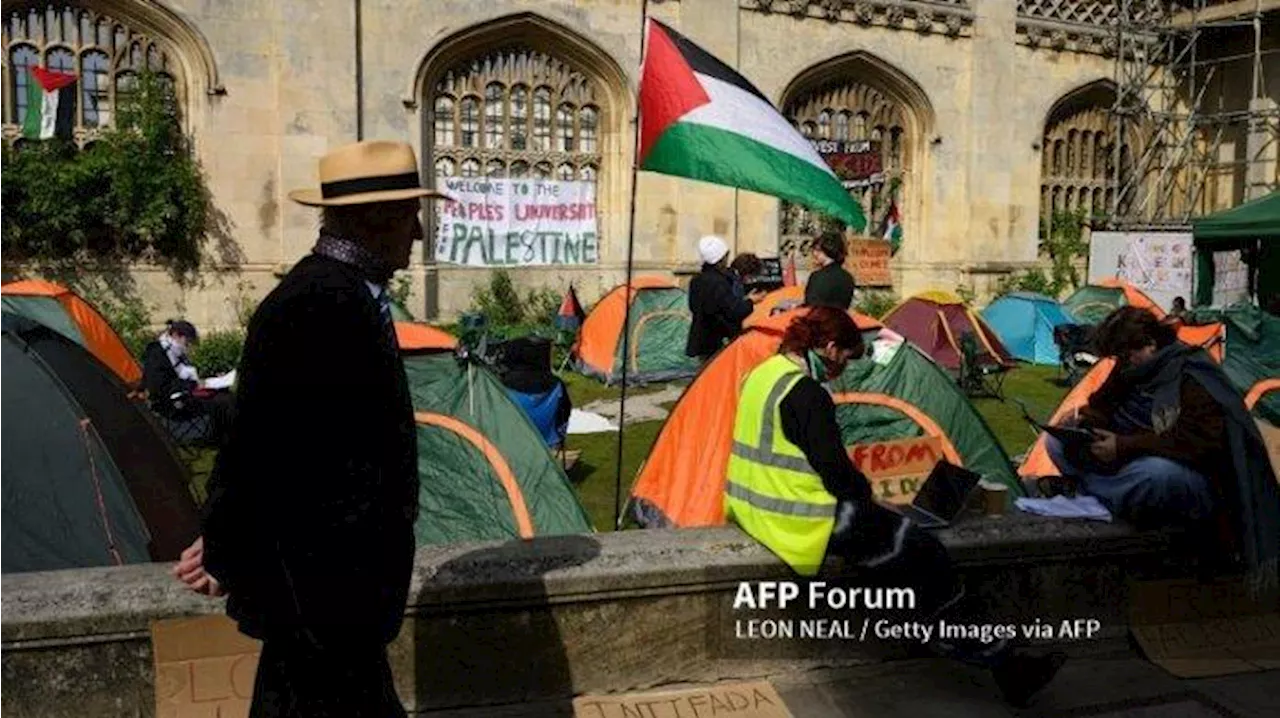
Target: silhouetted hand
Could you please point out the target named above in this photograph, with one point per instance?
(756, 295)
(190, 570)
(1104, 449)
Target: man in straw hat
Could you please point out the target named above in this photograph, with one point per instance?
(309, 525)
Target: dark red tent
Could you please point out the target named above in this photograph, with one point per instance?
(936, 322)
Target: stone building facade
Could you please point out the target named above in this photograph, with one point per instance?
(990, 113)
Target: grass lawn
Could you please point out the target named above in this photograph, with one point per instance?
(1038, 388)
(594, 475)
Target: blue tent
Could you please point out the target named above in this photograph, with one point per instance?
(1025, 323)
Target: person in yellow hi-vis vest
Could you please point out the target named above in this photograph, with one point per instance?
(792, 487)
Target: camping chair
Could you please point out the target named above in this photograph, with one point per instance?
(979, 377)
(190, 439)
(1075, 357)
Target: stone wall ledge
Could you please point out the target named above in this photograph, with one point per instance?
(119, 603)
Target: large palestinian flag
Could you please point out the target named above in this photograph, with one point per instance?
(702, 120)
(51, 105)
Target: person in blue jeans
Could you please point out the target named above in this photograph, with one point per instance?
(1175, 445)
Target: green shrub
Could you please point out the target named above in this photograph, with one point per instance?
(875, 303)
(218, 352)
(126, 313)
(499, 302)
(1032, 280)
(541, 305)
(136, 194)
(502, 306)
(400, 288)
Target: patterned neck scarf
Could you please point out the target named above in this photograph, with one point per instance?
(350, 252)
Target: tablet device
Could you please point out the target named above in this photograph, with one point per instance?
(1065, 434)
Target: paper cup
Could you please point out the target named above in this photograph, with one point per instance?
(995, 497)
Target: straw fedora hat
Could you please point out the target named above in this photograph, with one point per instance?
(366, 172)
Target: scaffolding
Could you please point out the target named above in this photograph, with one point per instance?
(1175, 64)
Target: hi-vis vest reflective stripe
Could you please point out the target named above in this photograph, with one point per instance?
(772, 493)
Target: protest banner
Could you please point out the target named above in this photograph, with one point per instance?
(517, 222)
(897, 469)
(868, 262)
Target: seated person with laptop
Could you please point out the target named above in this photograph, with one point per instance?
(792, 486)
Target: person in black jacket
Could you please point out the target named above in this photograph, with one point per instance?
(174, 388)
(717, 308)
(831, 285)
(312, 503)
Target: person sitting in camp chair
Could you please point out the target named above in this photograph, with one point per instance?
(541, 394)
(193, 413)
(1173, 444)
(1075, 350)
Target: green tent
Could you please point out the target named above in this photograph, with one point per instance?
(1252, 351)
(89, 478)
(1252, 228)
(913, 392)
(485, 471)
(657, 327)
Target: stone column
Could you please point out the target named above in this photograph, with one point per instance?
(1002, 167)
(703, 208)
(1261, 146)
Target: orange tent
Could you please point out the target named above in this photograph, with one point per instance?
(420, 337)
(65, 312)
(779, 300)
(1134, 296)
(1038, 463)
(707, 408)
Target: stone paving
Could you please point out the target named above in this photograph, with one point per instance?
(1106, 682)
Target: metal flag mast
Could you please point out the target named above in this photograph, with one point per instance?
(631, 244)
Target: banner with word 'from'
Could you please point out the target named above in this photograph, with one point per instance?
(494, 222)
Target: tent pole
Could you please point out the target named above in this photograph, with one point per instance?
(631, 245)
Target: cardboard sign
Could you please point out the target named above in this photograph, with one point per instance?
(868, 262)
(897, 469)
(205, 668)
(744, 700)
(1196, 630)
(517, 222)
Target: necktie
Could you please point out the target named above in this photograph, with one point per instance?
(384, 309)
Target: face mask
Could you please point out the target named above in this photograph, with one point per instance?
(818, 367)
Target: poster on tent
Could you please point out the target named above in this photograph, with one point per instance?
(1230, 278)
(1158, 263)
(491, 222)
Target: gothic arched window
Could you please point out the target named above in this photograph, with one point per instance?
(859, 112)
(1078, 170)
(539, 117)
(105, 54)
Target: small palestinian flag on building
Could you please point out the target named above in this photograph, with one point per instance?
(891, 228)
(702, 120)
(51, 105)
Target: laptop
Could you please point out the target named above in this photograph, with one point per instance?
(942, 497)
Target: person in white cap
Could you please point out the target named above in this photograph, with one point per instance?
(717, 309)
(309, 526)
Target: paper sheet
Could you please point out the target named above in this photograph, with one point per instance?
(226, 381)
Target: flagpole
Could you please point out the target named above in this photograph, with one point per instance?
(631, 246)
